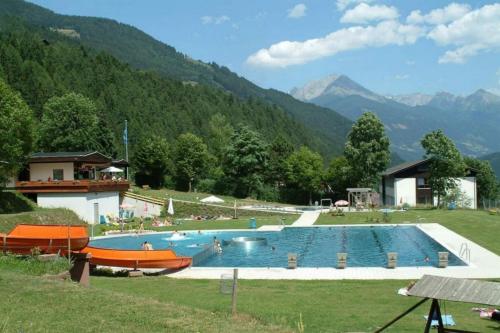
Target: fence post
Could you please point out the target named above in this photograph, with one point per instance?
(235, 287)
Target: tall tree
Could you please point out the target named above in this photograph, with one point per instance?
(367, 150)
(16, 131)
(338, 176)
(446, 163)
(152, 161)
(486, 180)
(305, 171)
(246, 161)
(279, 151)
(219, 135)
(190, 158)
(70, 123)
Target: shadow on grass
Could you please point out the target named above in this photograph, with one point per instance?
(11, 203)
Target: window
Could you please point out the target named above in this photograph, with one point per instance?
(58, 174)
(422, 183)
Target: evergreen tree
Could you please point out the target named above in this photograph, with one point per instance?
(16, 131)
(338, 176)
(219, 135)
(305, 171)
(190, 158)
(367, 150)
(446, 163)
(245, 162)
(279, 151)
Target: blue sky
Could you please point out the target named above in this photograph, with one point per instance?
(387, 46)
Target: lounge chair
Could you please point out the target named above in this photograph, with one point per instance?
(447, 321)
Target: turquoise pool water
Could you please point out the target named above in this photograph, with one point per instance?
(366, 246)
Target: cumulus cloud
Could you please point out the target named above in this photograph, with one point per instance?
(343, 4)
(475, 32)
(444, 15)
(214, 19)
(297, 11)
(364, 13)
(288, 53)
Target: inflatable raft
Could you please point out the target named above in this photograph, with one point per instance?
(166, 259)
(45, 238)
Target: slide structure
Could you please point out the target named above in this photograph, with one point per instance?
(52, 238)
(166, 259)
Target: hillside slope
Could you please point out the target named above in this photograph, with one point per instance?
(142, 51)
(494, 159)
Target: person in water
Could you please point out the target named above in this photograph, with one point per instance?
(147, 246)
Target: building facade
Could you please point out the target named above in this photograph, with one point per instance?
(407, 183)
(73, 180)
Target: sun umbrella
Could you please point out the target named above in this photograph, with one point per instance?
(341, 203)
(170, 209)
(112, 169)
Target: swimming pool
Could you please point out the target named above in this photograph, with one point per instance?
(366, 246)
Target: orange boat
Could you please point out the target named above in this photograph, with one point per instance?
(47, 238)
(166, 259)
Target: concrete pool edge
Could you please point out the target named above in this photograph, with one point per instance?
(483, 264)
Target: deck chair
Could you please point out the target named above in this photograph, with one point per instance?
(102, 219)
(447, 321)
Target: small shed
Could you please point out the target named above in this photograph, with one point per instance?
(449, 289)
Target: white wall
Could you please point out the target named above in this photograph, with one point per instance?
(405, 191)
(83, 203)
(139, 207)
(467, 185)
(42, 171)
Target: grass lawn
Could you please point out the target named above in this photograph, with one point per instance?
(197, 196)
(476, 225)
(39, 216)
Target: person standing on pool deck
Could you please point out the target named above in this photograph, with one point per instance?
(141, 225)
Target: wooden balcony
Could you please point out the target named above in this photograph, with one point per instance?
(72, 186)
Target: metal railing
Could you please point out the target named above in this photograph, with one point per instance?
(464, 252)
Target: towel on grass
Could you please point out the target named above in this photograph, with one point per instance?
(447, 321)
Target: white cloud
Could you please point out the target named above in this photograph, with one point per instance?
(401, 76)
(444, 15)
(475, 32)
(410, 62)
(297, 11)
(214, 19)
(364, 13)
(288, 53)
(343, 4)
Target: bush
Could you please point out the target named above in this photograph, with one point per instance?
(206, 186)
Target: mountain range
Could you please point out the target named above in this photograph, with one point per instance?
(471, 121)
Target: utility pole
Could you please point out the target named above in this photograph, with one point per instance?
(125, 141)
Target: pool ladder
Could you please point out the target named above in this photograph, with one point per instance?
(465, 252)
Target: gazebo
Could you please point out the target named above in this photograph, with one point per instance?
(360, 197)
(449, 289)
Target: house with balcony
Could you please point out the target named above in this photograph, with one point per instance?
(407, 183)
(74, 180)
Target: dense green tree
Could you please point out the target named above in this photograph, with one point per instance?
(71, 123)
(279, 151)
(245, 162)
(305, 171)
(338, 176)
(152, 161)
(191, 159)
(16, 131)
(367, 150)
(486, 181)
(446, 163)
(219, 135)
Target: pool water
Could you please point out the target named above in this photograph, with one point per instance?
(366, 246)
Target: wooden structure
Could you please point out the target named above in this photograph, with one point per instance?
(449, 289)
(361, 197)
(72, 186)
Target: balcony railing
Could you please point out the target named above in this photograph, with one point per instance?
(76, 186)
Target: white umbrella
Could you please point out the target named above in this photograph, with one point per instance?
(341, 203)
(112, 169)
(212, 199)
(170, 208)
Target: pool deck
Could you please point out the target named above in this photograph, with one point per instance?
(483, 263)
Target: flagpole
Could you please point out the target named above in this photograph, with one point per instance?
(125, 138)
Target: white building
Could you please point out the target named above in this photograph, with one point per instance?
(407, 184)
(72, 180)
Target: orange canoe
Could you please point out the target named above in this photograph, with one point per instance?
(166, 259)
(47, 238)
